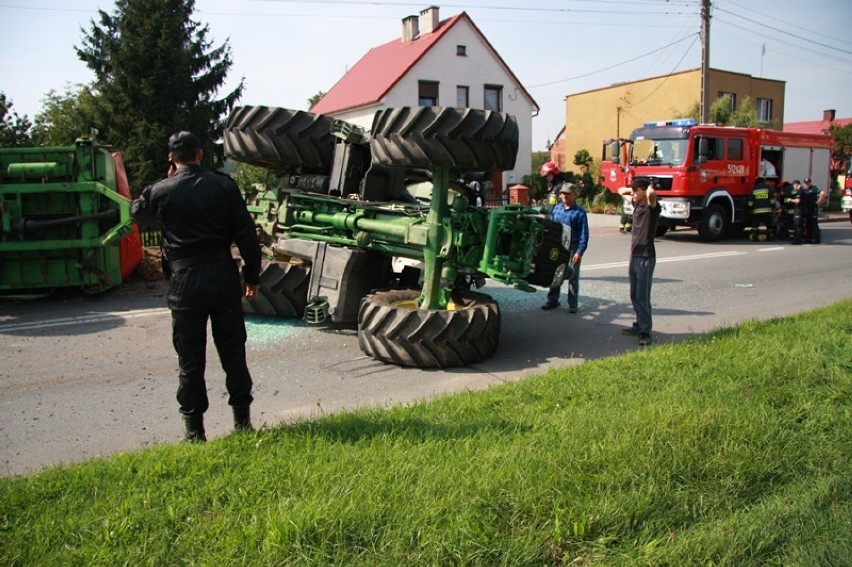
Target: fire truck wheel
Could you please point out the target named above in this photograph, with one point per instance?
(283, 291)
(277, 137)
(391, 329)
(714, 225)
(426, 137)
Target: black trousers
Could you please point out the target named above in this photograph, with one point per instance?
(199, 294)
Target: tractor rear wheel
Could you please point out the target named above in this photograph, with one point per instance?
(392, 329)
(277, 137)
(282, 292)
(427, 137)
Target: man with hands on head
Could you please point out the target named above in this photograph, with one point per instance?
(643, 256)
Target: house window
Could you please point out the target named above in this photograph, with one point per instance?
(494, 98)
(733, 99)
(764, 109)
(427, 93)
(463, 97)
(461, 50)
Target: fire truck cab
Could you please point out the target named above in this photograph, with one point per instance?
(704, 174)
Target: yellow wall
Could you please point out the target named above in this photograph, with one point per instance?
(592, 116)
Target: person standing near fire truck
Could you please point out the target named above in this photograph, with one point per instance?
(815, 198)
(785, 227)
(643, 255)
(554, 181)
(568, 212)
(761, 204)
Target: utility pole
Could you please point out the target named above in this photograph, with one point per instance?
(705, 60)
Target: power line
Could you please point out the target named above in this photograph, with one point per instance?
(794, 25)
(684, 3)
(795, 56)
(771, 39)
(811, 40)
(670, 73)
(615, 65)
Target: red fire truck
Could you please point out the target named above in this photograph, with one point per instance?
(703, 174)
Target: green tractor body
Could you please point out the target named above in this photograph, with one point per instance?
(353, 207)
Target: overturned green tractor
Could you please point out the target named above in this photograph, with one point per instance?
(65, 219)
(378, 229)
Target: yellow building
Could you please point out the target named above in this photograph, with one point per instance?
(614, 111)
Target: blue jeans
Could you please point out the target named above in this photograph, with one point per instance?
(573, 286)
(641, 274)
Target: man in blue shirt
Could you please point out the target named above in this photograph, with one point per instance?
(568, 212)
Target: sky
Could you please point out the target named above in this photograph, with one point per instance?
(288, 50)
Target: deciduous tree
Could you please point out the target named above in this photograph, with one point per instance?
(66, 116)
(14, 129)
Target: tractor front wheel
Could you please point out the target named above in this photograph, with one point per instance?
(392, 329)
(282, 291)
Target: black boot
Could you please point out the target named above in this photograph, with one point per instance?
(242, 419)
(194, 424)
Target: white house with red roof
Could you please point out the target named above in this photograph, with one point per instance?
(434, 63)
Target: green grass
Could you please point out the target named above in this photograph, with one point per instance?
(731, 449)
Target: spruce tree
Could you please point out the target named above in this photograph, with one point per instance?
(156, 72)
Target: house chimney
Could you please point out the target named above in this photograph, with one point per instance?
(410, 30)
(429, 20)
(828, 115)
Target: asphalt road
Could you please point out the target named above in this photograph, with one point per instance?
(84, 376)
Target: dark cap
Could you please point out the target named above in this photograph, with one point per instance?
(568, 188)
(184, 141)
(807, 180)
(641, 183)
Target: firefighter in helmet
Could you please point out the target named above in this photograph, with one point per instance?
(554, 181)
(761, 204)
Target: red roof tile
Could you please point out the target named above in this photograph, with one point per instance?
(378, 71)
(815, 126)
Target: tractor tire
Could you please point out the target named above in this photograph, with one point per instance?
(283, 291)
(391, 329)
(277, 137)
(427, 137)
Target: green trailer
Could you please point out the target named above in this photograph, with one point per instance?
(65, 219)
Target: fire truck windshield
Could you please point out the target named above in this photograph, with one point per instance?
(657, 151)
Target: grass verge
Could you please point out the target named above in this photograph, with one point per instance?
(730, 449)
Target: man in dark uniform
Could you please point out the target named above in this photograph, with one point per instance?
(803, 202)
(201, 213)
(814, 195)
